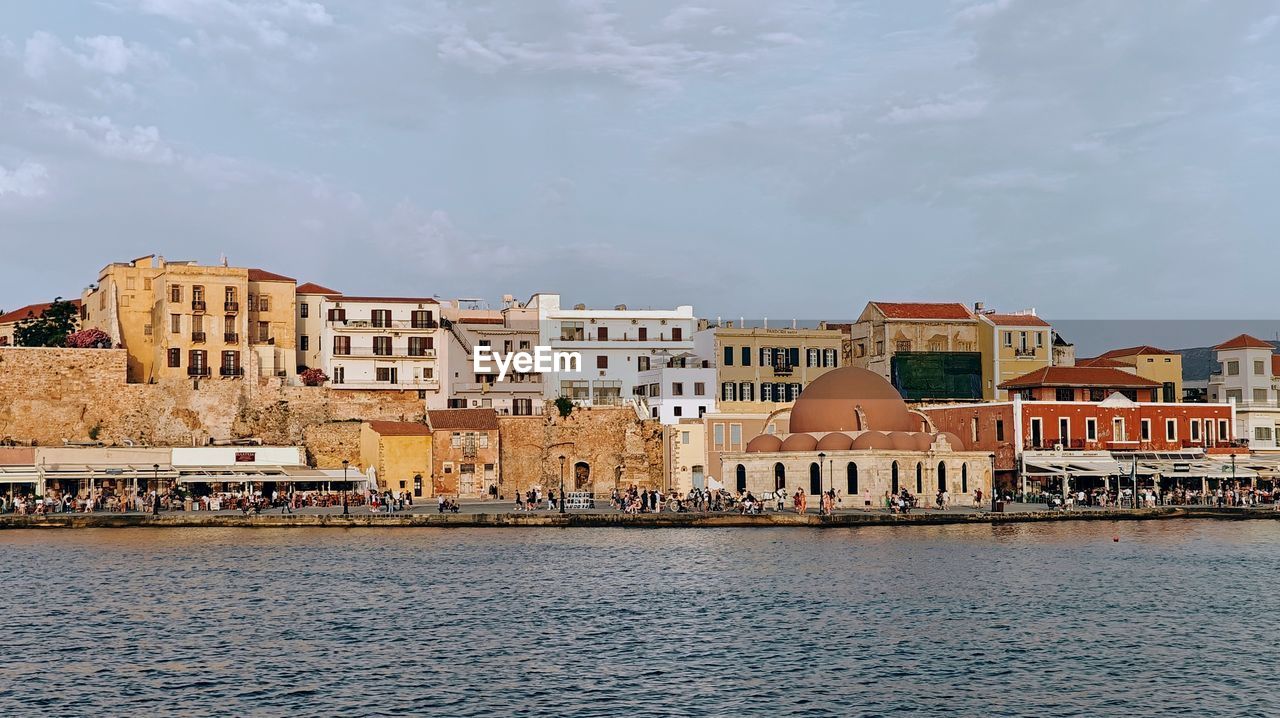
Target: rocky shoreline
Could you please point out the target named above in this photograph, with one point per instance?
(607, 520)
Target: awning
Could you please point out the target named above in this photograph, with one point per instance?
(19, 475)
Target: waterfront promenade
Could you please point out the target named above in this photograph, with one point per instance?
(498, 514)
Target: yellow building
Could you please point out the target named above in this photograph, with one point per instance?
(184, 320)
(686, 456)
(1012, 345)
(759, 370)
(400, 454)
(1147, 362)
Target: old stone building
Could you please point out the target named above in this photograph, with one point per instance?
(466, 451)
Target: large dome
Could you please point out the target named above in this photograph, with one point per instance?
(830, 403)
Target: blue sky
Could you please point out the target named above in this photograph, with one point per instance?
(750, 157)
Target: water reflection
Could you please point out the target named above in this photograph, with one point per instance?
(1006, 620)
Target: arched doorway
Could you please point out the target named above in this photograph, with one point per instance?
(815, 479)
(582, 476)
(894, 488)
(964, 478)
(919, 478)
(779, 477)
(942, 476)
(851, 475)
(740, 478)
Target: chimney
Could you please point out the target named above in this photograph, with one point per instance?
(978, 307)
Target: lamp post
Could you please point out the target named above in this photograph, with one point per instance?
(822, 494)
(345, 488)
(562, 483)
(155, 505)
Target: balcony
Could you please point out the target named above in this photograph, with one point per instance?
(231, 371)
(197, 305)
(1027, 353)
(782, 370)
(405, 384)
(197, 371)
(498, 387)
(365, 324)
(198, 337)
(230, 338)
(231, 307)
(395, 353)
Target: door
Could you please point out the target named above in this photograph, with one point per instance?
(698, 480)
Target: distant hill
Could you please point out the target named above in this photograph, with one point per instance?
(1198, 362)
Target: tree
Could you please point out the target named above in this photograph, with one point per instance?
(50, 329)
(565, 405)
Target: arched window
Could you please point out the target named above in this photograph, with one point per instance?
(942, 476)
(851, 473)
(964, 478)
(895, 478)
(741, 475)
(779, 477)
(815, 478)
(919, 478)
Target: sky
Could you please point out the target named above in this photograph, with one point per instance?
(1089, 158)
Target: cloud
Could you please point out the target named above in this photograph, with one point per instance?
(685, 16)
(28, 179)
(939, 111)
(100, 54)
(227, 24)
(104, 136)
(983, 10)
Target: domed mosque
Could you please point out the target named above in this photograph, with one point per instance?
(852, 432)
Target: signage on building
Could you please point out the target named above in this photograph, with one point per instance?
(245, 457)
(1182, 467)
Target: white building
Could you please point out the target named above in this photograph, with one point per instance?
(514, 328)
(615, 345)
(682, 388)
(382, 343)
(1248, 378)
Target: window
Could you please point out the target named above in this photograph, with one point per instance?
(643, 333)
(602, 362)
(1146, 430)
(746, 391)
(342, 346)
(129, 282)
(973, 430)
(1224, 433)
(728, 391)
(1117, 429)
(230, 363)
(380, 318)
(919, 478)
(1236, 395)
(1262, 433)
(1170, 429)
(264, 332)
(339, 375)
(1096, 394)
(735, 436)
(571, 331)
(851, 479)
(1064, 394)
(828, 357)
(894, 475)
(1260, 395)
(337, 315)
(386, 373)
(175, 294)
(677, 334)
(942, 476)
(699, 388)
(718, 436)
(811, 357)
(1008, 339)
(602, 334)
(175, 323)
(175, 358)
(766, 391)
(1039, 339)
(964, 478)
(728, 356)
(1037, 435)
(642, 363)
(1233, 368)
(1091, 429)
(677, 411)
(304, 342)
(1064, 431)
(1195, 431)
(418, 346)
(422, 319)
(382, 346)
(999, 429)
(197, 362)
(264, 303)
(746, 356)
(1257, 367)
(684, 437)
(815, 478)
(304, 310)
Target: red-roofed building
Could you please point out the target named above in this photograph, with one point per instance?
(927, 350)
(465, 452)
(1159, 365)
(1247, 376)
(1012, 344)
(9, 320)
(1081, 383)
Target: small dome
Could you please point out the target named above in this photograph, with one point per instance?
(923, 441)
(904, 441)
(764, 443)
(835, 441)
(799, 442)
(956, 443)
(871, 440)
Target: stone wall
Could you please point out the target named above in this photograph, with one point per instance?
(48, 395)
(602, 438)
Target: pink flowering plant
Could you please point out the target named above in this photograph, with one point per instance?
(89, 339)
(313, 377)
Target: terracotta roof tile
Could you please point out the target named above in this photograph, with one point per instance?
(1244, 341)
(1016, 320)
(923, 310)
(1134, 351)
(262, 275)
(34, 310)
(313, 288)
(1080, 376)
(1275, 365)
(1102, 362)
(400, 300)
(400, 428)
(463, 419)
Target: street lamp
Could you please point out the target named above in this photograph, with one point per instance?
(155, 505)
(562, 483)
(345, 488)
(822, 494)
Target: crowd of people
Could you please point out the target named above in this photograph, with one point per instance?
(1148, 497)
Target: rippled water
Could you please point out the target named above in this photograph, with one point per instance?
(1027, 620)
